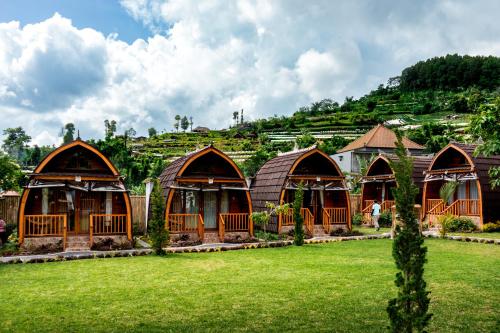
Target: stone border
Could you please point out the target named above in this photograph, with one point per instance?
(466, 239)
(219, 247)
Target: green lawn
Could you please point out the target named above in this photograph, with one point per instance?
(341, 287)
(370, 231)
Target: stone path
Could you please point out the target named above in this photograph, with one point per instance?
(215, 247)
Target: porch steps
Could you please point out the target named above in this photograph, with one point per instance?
(319, 231)
(211, 237)
(77, 244)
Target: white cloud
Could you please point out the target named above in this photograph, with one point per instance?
(209, 58)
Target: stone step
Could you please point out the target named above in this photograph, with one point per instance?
(319, 230)
(77, 243)
(211, 237)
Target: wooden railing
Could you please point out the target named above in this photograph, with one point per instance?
(437, 208)
(334, 216)
(386, 205)
(367, 211)
(468, 207)
(45, 225)
(307, 216)
(431, 203)
(179, 223)
(108, 224)
(236, 221)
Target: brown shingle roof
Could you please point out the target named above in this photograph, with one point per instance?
(379, 137)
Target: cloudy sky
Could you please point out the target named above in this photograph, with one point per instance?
(141, 62)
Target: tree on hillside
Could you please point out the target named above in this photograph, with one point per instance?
(191, 123)
(177, 122)
(69, 131)
(452, 72)
(184, 123)
(409, 310)
(15, 142)
(110, 128)
(241, 116)
(305, 140)
(336, 142)
(235, 117)
(485, 125)
(151, 132)
(10, 173)
(130, 133)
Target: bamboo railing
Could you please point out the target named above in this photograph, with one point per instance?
(45, 225)
(179, 223)
(386, 205)
(334, 216)
(468, 207)
(307, 216)
(106, 224)
(367, 211)
(234, 222)
(431, 203)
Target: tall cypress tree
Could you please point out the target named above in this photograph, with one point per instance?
(297, 216)
(408, 311)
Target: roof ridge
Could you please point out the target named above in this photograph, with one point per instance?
(303, 150)
(375, 130)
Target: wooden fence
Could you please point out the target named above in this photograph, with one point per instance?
(8, 209)
(355, 203)
(138, 212)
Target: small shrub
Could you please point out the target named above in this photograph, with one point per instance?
(357, 219)
(345, 233)
(184, 237)
(385, 220)
(266, 236)
(491, 227)
(461, 224)
(444, 222)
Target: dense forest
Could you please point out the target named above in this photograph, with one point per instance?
(433, 101)
(452, 72)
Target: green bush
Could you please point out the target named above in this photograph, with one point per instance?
(385, 220)
(357, 219)
(491, 227)
(461, 224)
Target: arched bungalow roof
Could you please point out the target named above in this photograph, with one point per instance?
(76, 143)
(272, 176)
(178, 167)
(476, 166)
(420, 165)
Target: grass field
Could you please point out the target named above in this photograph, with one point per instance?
(341, 287)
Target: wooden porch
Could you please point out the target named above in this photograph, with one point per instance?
(460, 207)
(330, 217)
(193, 223)
(56, 225)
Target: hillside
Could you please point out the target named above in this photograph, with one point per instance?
(431, 102)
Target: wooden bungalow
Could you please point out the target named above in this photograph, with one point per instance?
(207, 197)
(326, 203)
(474, 197)
(379, 182)
(74, 197)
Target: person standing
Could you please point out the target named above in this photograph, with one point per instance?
(376, 208)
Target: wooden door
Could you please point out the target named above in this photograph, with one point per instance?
(210, 209)
(87, 206)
